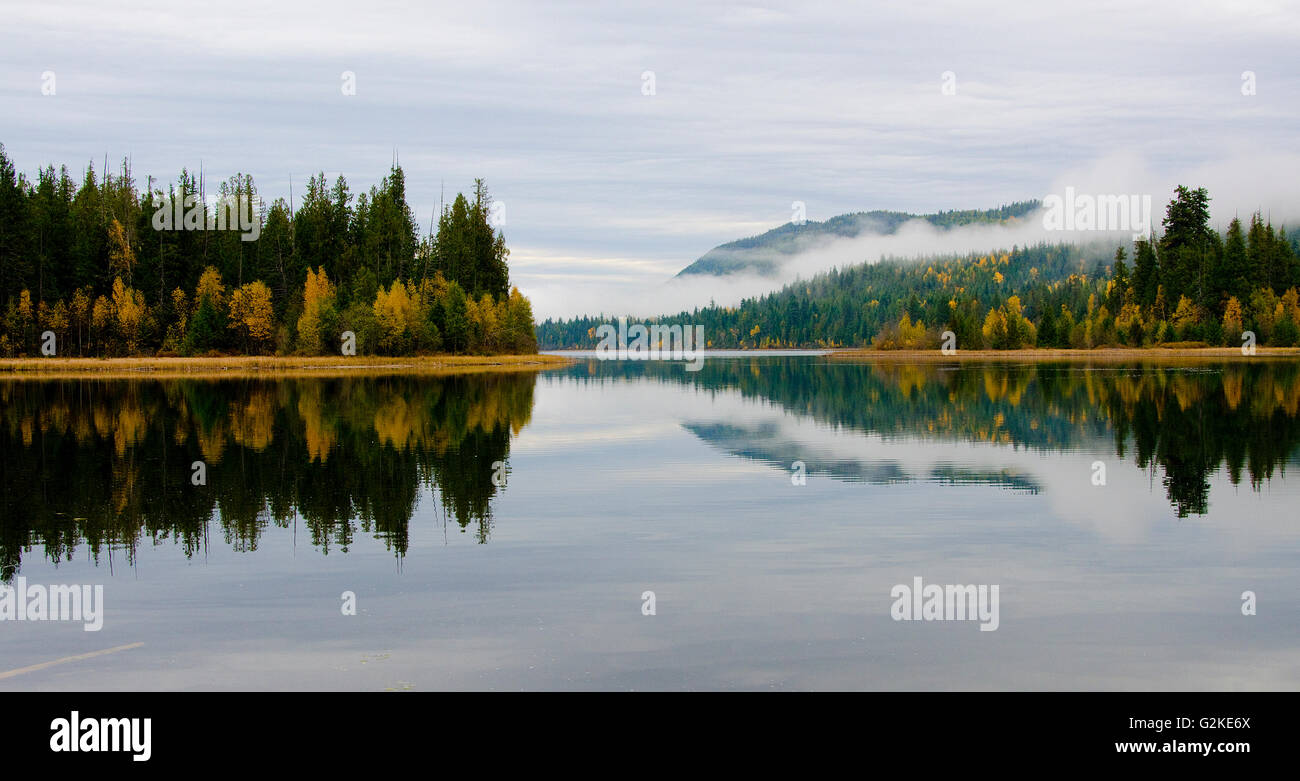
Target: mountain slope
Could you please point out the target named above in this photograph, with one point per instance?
(766, 253)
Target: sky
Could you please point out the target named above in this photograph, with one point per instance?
(610, 187)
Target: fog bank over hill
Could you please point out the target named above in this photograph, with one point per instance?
(1238, 187)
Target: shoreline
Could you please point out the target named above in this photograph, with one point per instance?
(270, 365)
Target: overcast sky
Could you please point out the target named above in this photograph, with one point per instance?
(607, 189)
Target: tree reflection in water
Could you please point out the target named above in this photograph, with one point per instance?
(109, 463)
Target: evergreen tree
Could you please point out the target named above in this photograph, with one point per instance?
(456, 332)
(1119, 277)
(1236, 273)
(1145, 273)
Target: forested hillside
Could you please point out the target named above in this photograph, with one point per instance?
(1189, 284)
(765, 253)
(112, 270)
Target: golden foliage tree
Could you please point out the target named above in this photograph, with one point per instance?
(519, 324)
(395, 312)
(1232, 320)
(26, 315)
(252, 315)
(317, 301)
(130, 311)
(995, 329)
(56, 320)
(485, 324)
(121, 258)
(101, 319)
(210, 288)
(81, 304)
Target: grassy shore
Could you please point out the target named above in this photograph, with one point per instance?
(1099, 355)
(266, 365)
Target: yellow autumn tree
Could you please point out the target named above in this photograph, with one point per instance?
(1232, 321)
(26, 315)
(395, 312)
(252, 315)
(211, 289)
(519, 328)
(1290, 305)
(489, 323)
(121, 258)
(181, 304)
(175, 336)
(995, 329)
(903, 335)
(317, 305)
(1129, 323)
(1185, 315)
(130, 311)
(56, 320)
(473, 326)
(80, 313)
(911, 336)
(101, 319)
(1186, 311)
(1021, 331)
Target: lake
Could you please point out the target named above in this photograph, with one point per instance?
(632, 525)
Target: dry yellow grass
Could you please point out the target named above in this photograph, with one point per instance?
(1126, 354)
(261, 366)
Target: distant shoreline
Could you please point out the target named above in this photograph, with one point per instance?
(270, 365)
(1054, 354)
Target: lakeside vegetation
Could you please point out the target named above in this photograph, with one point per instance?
(106, 269)
(270, 365)
(1186, 287)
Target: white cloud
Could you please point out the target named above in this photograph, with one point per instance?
(757, 105)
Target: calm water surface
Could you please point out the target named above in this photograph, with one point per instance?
(499, 530)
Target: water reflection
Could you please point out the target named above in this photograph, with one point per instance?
(111, 464)
(767, 442)
(1183, 423)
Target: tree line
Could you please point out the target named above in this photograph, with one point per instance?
(111, 270)
(1191, 285)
